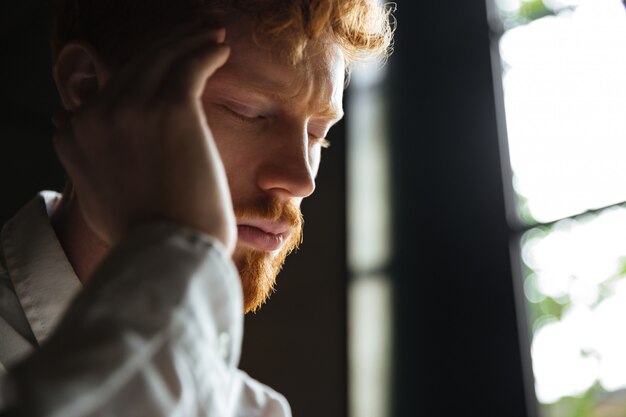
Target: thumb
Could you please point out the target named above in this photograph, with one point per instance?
(189, 76)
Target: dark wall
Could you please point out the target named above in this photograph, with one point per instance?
(28, 98)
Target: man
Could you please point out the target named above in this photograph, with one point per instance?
(190, 134)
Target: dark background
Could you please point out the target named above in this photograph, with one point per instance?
(456, 349)
(28, 97)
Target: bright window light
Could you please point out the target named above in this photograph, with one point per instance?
(564, 83)
(370, 288)
(578, 298)
(565, 97)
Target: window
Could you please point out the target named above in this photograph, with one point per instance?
(369, 247)
(563, 64)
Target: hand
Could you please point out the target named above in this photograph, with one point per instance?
(141, 149)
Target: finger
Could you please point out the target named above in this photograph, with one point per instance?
(129, 68)
(144, 76)
(162, 64)
(188, 77)
(220, 35)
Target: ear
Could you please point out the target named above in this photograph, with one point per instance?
(79, 74)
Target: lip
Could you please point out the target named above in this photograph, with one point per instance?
(262, 235)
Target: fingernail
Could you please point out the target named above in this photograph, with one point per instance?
(221, 35)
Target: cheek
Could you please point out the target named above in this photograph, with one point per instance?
(232, 154)
(230, 140)
(224, 141)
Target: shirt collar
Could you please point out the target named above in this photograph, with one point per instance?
(42, 276)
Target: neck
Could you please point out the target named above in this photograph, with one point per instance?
(83, 248)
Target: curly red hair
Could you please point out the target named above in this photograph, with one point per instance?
(363, 29)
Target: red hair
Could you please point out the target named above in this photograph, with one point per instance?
(117, 28)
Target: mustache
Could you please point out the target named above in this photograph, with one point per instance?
(271, 209)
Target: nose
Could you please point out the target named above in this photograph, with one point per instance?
(289, 167)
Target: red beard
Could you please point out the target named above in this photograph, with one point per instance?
(259, 269)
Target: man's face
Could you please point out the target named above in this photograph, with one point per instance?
(269, 119)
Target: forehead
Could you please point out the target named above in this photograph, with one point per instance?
(316, 81)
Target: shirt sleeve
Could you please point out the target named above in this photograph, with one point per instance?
(156, 332)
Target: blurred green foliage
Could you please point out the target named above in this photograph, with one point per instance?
(579, 406)
(533, 10)
(523, 210)
(622, 268)
(552, 307)
(528, 11)
(549, 309)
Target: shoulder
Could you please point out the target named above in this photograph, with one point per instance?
(256, 399)
(16, 338)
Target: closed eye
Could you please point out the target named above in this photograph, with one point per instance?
(243, 114)
(323, 142)
(318, 132)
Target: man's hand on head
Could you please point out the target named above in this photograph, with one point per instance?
(141, 150)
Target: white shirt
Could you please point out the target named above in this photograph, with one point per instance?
(157, 332)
